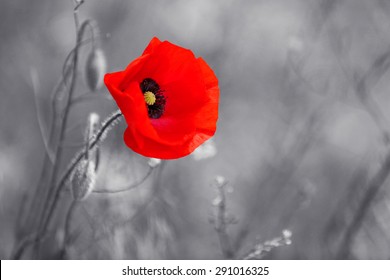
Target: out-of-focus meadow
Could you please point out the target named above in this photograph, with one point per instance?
(303, 132)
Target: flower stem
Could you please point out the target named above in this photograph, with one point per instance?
(107, 124)
(68, 220)
(126, 188)
(360, 214)
(221, 225)
(63, 124)
(96, 139)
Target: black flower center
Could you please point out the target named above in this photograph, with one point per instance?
(154, 98)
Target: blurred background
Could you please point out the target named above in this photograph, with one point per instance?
(303, 133)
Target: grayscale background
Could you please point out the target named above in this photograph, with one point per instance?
(303, 132)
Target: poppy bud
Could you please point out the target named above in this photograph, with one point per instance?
(95, 68)
(83, 179)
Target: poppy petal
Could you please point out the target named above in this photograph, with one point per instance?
(208, 115)
(152, 45)
(189, 89)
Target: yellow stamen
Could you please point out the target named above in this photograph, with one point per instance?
(150, 98)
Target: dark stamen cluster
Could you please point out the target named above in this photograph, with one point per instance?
(156, 110)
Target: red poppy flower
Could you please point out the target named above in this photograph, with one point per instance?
(169, 99)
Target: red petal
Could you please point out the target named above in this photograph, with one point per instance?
(131, 71)
(152, 45)
(191, 90)
(206, 119)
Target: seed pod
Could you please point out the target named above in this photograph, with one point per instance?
(95, 68)
(83, 179)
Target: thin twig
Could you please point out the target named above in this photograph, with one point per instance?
(52, 187)
(220, 220)
(140, 210)
(67, 228)
(48, 159)
(98, 137)
(373, 187)
(108, 123)
(80, 43)
(260, 250)
(127, 188)
(27, 241)
(53, 159)
(89, 96)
